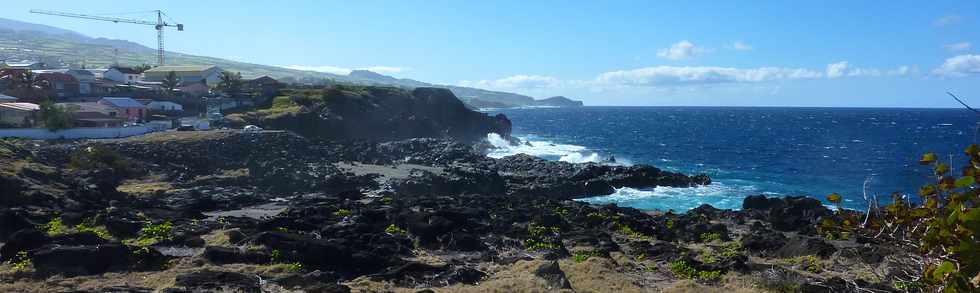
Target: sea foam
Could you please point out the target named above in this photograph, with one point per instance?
(543, 149)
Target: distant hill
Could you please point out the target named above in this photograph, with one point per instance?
(64, 48)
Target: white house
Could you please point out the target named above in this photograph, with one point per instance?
(164, 106)
(118, 74)
(208, 74)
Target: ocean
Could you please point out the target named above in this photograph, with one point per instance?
(749, 150)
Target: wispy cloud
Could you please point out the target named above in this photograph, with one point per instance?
(740, 46)
(680, 50)
(835, 70)
(959, 66)
(688, 75)
(958, 46)
(345, 71)
(516, 82)
(947, 20)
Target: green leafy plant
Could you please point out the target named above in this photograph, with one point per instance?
(633, 233)
(682, 269)
(542, 237)
(710, 236)
(394, 230)
(55, 227)
(152, 234)
(88, 226)
(21, 261)
(342, 213)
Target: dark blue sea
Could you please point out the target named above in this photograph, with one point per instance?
(752, 150)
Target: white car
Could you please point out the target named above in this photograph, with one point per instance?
(251, 129)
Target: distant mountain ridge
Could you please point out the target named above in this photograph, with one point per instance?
(60, 47)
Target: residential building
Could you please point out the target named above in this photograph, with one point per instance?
(194, 89)
(128, 108)
(18, 114)
(207, 74)
(164, 106)
(264, 86)
(93, 114)
(62, 85)
(85, 80)
(125, 75)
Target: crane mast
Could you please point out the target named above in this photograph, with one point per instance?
(159, 25)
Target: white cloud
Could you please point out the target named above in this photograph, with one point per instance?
(680, 50)
(835, 70)
(740, 46)
(325, 69)
(346, 71)
(961, 65)
(958, 46)
(947, 20)
(516, 82)
(903, 71)
(686, 75)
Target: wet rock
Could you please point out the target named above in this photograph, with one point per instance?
(208, 280)
(552, 273)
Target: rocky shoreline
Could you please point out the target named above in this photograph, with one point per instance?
(276, 212)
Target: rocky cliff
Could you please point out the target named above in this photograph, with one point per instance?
(379, 114)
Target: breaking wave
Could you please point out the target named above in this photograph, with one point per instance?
(718, 194)
(542, 149)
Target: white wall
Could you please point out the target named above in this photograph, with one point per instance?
(74, 133)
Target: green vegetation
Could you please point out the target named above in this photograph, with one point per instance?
(394, 230)
(170, 82)
(946, 224)
(682, 269)
(633, 233)
(56, 118)
(387, 200)
(710, 236)
(56, 227)
(231, 84)
(152, 234)
(542, 237)
(277, 257)
(582, 256)
(342, 213)
(21, 262)
(807, 263)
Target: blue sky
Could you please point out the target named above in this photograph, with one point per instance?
(786, 53)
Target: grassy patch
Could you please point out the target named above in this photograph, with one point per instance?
(342, 213)
(395, 230)
(152, 234)
(682, 269)
(710, 236)
(582, 256)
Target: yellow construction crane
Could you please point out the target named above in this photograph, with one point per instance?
(159, 24)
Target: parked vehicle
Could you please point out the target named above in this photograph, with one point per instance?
(251, 129)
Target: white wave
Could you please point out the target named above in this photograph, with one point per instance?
(718, 194)
(543, 149)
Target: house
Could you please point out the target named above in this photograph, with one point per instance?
(7, 99)
(207, 74)
(194, 89)
(164, 106)
(85, 80)
(128, 108)
(124, 75)
(28, 65)
(92, 114)
(18, 114)
(62, 85)
(264, 86)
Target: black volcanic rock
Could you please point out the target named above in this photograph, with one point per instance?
(383, 114)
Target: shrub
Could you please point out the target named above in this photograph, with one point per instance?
(55, 227)
(394, 230)
(710, 236)
(581, 256)
(21, 262)
(98, 157)
(945, 222)
(152, 234)
(342, 213)
(682, 269)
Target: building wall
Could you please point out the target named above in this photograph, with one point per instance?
(75, 133)
(16, 117)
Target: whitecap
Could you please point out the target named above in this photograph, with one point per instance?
(717, 194)
(545, 149)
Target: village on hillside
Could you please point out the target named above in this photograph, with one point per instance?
(38, 101)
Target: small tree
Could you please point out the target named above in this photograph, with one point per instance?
(231, 83)
(170, 83)
(56, 118)
(142, 67)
